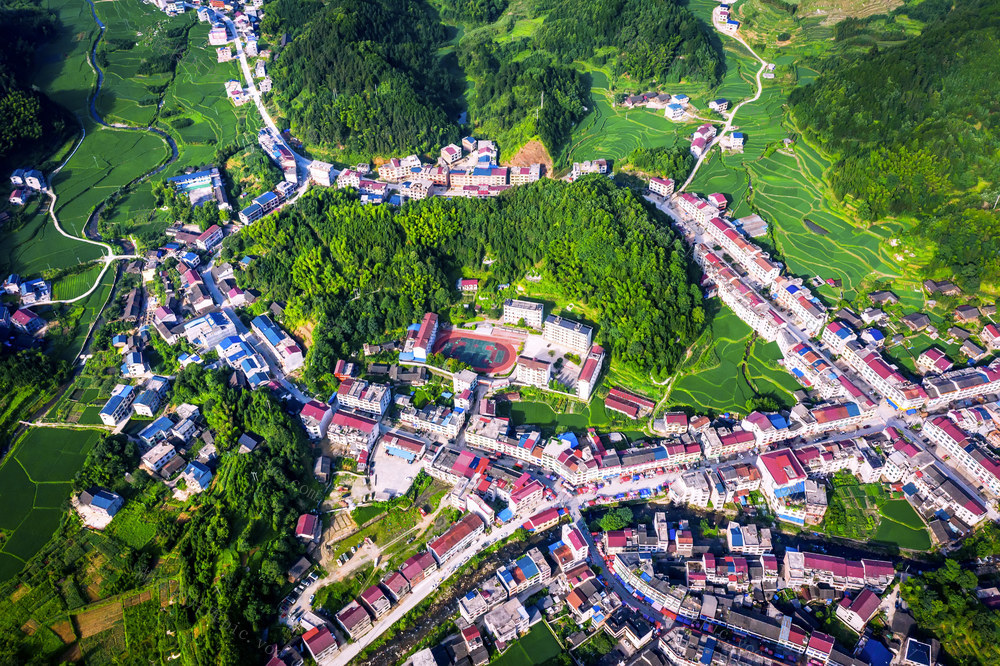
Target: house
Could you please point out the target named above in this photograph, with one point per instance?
(34, 179)
(279, 343)
(991, 337)
(210, 238)
(150, 399)
(248, 442)
(966, 313)
(35, 291)
(719, 105)
(674, 111)
(376, 601)
(972, 351)
(316, 417)
(396, 585)
(135, 365)
(119, 406)
(103, 502)
(533, 372)
(197, 476)
(467, 285)
(157, 457)
(354, 619)
(456, 538)
(322, 469)
(856, 614)
(507, 621)
(308, 527)
(19, 196)
(451, 154)
(662, 186)
(321, 643)
(27, 321)
(418, 567)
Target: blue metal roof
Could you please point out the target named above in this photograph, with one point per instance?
(267, 197)
(158, 426)
(105, 500)
(528, 567)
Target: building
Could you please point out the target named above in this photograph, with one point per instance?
(308, 527)
(157, 457)
(435, 419)
(423, 345)
(322, 173)
(418, 567)
(321, 643)
(748, 539)
(803, 568)
(782, 477)
(119, 406)
(197, 476)
(451, 154)
(533, 372)
(567, 333)
(458, 536)
(354, 619)
(357, 432)
(103, 502)
(662, 186)
(27, 321)
(403, 446)
(856, 614)
(360, 395)
(279, 343)
(316, 417)
(210, 238)
(591, 372)
(396, 585)
(376, 601)
(522, 175)
(149, 400)
(526, 499)
(507, 621)
(516, 311)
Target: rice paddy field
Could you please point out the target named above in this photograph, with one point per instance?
(723, 374)
(76, 284)
(35, 480)
(36, 246)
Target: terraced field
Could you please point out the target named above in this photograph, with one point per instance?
(36, 247)
(713, 379)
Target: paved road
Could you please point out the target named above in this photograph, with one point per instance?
(422, 590)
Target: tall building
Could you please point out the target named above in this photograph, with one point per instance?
(590, 373)
(514, 310)
(567, 333)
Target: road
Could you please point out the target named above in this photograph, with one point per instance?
(422, 590)
(732, 114)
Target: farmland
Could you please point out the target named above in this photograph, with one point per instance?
(34, 483)
(866, 512)
(713, 380)
(36, 246)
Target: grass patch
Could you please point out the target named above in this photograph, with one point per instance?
(538, 646)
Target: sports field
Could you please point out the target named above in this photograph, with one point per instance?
(483, 353)
(536, 647)
(34, 482)
(715, 379)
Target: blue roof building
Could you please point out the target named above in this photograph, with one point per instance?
(156, 431)
(198, 476)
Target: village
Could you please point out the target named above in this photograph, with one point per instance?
(663, 590)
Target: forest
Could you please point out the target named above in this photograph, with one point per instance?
(357, 271)
(368, 78)
(647, 39)
(27, 117)
(508, 95)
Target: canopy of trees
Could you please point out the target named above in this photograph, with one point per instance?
(368, 77)
(509, 92)
(652, 39)
(473, 11)
(673, 162)
(359, 271)
(26, 116)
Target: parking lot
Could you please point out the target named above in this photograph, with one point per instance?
(391, 475)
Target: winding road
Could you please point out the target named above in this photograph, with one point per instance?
(732, 114)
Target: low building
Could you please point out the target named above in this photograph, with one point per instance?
(316, 417)
(308, 527)
(321, 643)
(662, 186)
(458, 536)
(507, 621)
(157, 457)
(103, 502)
(857, 612)
(355, 620)
(376, 601)
(119, 406)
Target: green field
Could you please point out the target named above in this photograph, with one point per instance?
(542, 415)
(712, 379)
(133, 526)
(538, 646)
(37, 246)
(34, 483)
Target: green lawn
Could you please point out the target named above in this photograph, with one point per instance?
(34, 482)
(538, 646)
(132, 526)
(542, 415)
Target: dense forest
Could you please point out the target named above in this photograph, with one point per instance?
(649, 39)
(357, 271)
(508, 94)
(666, 162)
(27, 117)
(367, 77)
(914, 126)
(472, 11)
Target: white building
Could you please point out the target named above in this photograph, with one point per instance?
(515, 310)
(533, 372)
(567, 333)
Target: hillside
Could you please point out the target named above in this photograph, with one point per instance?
(914, 128)
(368, 78)
(358, 271)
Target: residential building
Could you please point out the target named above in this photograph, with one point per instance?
(365, 397)
(975, 460)
(591, 372)
(376, 601)
(804, 568)
(524, 500)
(102, 502)
(316, 417)
(157, 457)
(458, 536)
(748, 539)
(27, 321)
(523, 175)
(197, 476)
(451, 154)
(322, 173)
(119, 406)
(308, 527)
(418, 567)
(662, 186)
(507, 621)
(396, 585)
(423, 345)
(354, 619)
(321, 643)
(357, 432)
(857, 612)
(435, 419)
(210, 238)
(403, 446)
(465, 380)
(157, 431)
